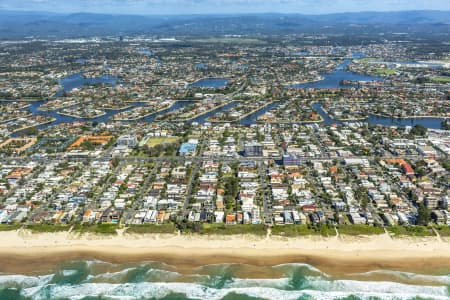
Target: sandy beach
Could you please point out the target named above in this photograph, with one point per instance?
(24, 252)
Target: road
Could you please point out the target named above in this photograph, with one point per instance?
(198, 159)
(145, 185)
(267, 201)
(196, 166)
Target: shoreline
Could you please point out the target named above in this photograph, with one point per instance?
(31, 126)
(200, 114)
(294, 83)
(141, 117)
(240, 118)
(117, 109)
(15, 118)
(409, 118)
(24, 252)
(288, 122)
(63, 105)
(80, 117)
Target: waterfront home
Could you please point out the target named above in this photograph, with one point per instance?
(111, 216)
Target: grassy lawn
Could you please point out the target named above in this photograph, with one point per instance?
(152, 142)
(410, 231)
(359, 230)
(11, 227)
(301, 230)
(36, 228)
(366, 60)
(151, 228)
(440, 79)
(384, 71)
(222, 229)
(138, 154)
(107, 229)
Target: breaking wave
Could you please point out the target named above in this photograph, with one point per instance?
(153, 280)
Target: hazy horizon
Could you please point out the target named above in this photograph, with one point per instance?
(213, 13)
(189, 7)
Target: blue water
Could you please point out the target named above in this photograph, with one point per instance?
(155, 280)
(34, 108)
(176, 106)
(252, 118)
(434, 123)
(77, 80)
(210, 83)
(202, 119)
(333, 80)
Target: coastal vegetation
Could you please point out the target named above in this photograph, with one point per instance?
(189, 228)
(101, 229)
(443, 231)
(151, 229)
(221, 229)
(418, 231)
(10, 227)
(356, 230)
(303, 230)
(41, 228)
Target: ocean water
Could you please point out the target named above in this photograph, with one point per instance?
(88, 280)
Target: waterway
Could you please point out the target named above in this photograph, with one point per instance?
(434, 123)
(202, 119)
(252, 118)
(210, 83)
(77, 80)
(331, 80)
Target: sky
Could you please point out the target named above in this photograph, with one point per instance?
(152, 7)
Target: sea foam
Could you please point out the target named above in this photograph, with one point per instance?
(440, 279)
(197, 291)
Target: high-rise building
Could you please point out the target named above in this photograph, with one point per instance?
(253, 149)
(291, 159)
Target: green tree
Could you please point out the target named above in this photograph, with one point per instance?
(422, 171)
(115, 162)
(362, 196)
(424, 215)
(418, 130)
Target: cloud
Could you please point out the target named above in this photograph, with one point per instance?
(221, 6)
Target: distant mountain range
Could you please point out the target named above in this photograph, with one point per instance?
(15, 24)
